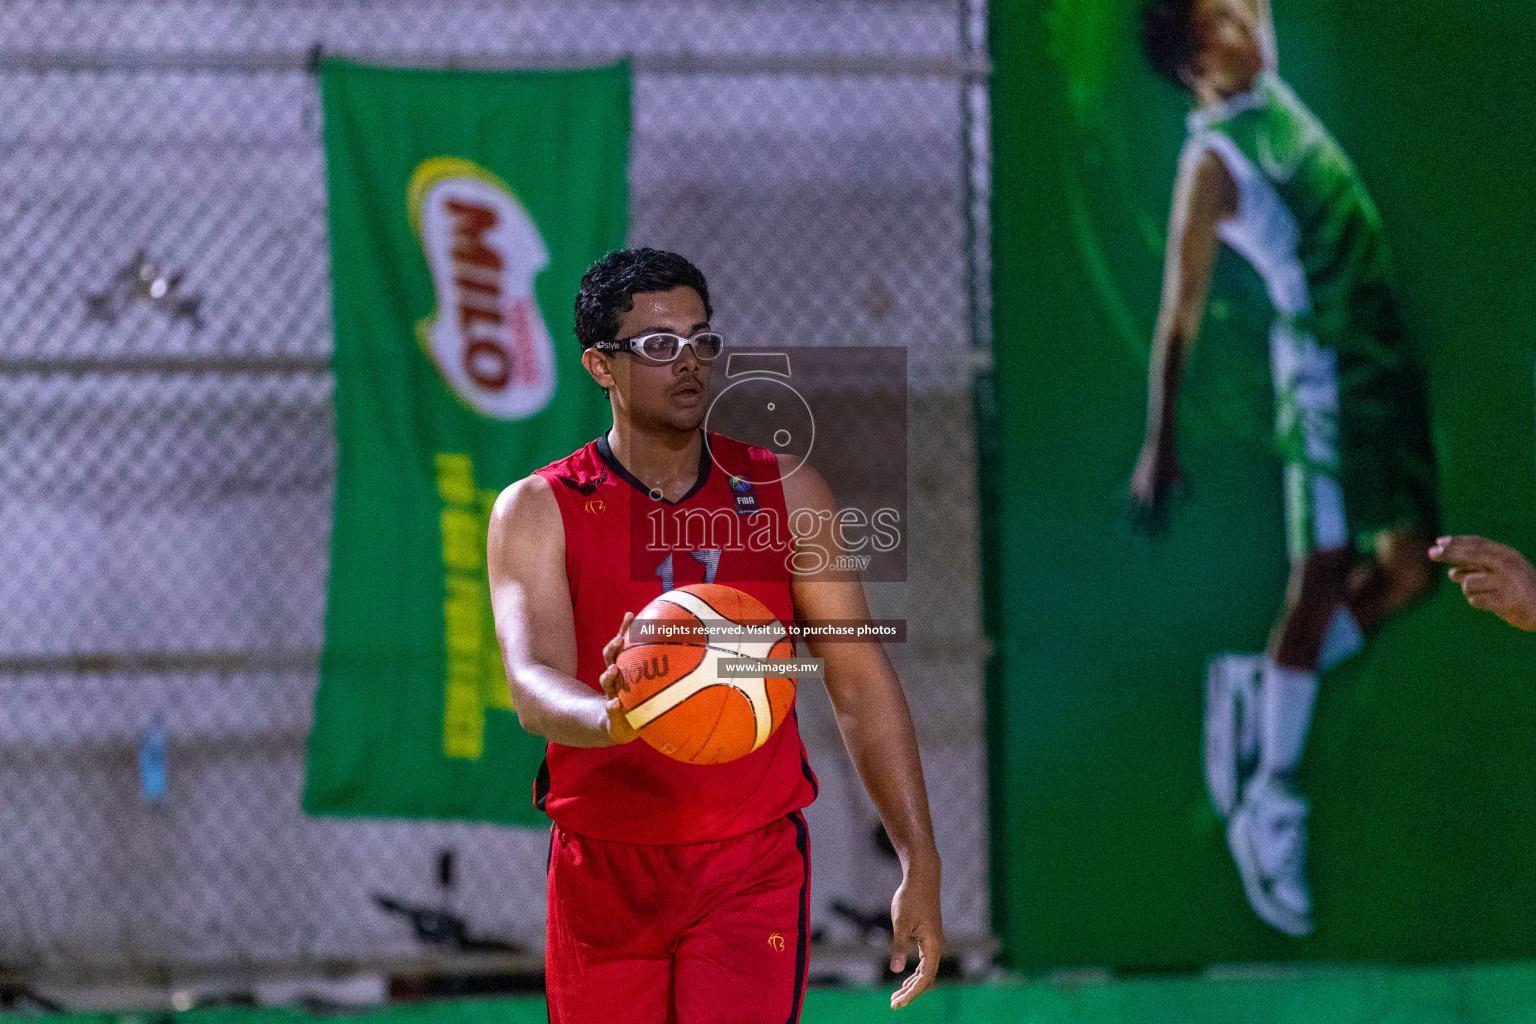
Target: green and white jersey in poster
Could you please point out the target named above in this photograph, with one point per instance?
(464, 208)
(1305, 221)
(1351, 423)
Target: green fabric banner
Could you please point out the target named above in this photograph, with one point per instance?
(464, 208)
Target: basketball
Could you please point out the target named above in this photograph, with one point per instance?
(672, 687)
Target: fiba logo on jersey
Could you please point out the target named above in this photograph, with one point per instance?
(745, 496)
(487, 336)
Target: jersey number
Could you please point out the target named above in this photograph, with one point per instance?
(710, 559)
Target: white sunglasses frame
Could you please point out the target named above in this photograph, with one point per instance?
(635, 345)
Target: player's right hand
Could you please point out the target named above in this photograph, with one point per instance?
(1158, 477)
(1493, 576)
(619, 729)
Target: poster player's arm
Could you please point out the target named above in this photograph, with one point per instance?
(1204, 195)
(876, 726)
(531, 600)
(1264, 24)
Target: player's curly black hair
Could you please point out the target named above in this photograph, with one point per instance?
(609, 287)
(1168, 38)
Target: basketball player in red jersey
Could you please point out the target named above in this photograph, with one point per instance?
(680, 892)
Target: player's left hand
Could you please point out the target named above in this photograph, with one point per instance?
(619, 729)
(1494, 577)
(916, 915)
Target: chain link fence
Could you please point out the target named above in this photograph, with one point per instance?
(166, 474)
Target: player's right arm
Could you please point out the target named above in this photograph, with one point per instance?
(1204, 195)
(531, 600)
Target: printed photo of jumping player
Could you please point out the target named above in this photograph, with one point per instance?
(1260, 174)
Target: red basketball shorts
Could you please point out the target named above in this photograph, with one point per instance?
(704, 933)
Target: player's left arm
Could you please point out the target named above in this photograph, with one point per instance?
(876, 726)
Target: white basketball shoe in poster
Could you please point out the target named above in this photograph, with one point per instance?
(1231, 726)
(1268, 839)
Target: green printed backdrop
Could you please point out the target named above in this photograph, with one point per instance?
(523, 177)
(1422, 760)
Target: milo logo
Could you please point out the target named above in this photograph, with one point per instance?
(487, 336)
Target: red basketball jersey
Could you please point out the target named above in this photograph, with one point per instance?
(732, 529)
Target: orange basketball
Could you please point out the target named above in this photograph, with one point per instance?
(673, 689)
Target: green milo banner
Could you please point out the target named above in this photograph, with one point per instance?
(1264, 297)
(464, 208)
